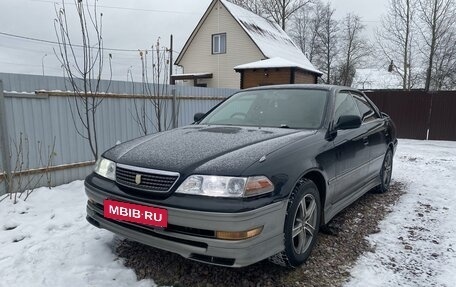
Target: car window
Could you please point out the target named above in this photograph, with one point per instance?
(292, 108)
(366, 111)
(234, 109)
(345, 106)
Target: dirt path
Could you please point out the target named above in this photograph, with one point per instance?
(336, 251)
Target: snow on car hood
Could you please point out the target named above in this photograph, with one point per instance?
(204, 149)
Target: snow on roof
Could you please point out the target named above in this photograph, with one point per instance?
(276, 62)
(194, 74)
(269, 37)
(376, 79)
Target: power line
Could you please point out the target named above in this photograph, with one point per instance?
(76, 45)
(57, 43)
(125, 8)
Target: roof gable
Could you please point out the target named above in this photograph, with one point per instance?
(269, 37)
(195, 31)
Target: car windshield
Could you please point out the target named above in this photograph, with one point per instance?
(285, 108)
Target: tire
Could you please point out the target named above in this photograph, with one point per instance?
(301, 225)
(386, 172)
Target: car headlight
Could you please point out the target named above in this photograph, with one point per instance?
(225, 186)
(106, 168)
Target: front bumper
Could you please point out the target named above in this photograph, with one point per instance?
(190, 232)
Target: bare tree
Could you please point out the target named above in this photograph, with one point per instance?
(395, 38)
(304, 31)
(328, 35)
(437, 24)
(155, 91)
(160, 66)
(444, 69)
(354, 48)
(280, 11)
(83, 65)
(251, 5)
(22, 180)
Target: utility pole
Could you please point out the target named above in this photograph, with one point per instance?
(42, 63)
(171, 64)
(173, 91)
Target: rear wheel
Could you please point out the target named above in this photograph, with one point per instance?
(301, 225)
(386, 172)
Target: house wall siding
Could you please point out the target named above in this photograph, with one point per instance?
(240, 50)
(263, 77)
(302, 77)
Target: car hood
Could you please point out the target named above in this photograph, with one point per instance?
(202, 149)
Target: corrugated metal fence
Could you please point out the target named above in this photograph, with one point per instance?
(36, 122)
(419, 115)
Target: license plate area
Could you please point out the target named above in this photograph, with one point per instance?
(136, 213)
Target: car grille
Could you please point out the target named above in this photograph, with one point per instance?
(145, 179)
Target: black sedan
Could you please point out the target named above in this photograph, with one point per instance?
(254, 178)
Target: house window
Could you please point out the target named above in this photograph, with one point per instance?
(219, 43)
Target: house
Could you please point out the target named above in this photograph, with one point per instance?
(232, 47)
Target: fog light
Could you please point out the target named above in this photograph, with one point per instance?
(238, 235)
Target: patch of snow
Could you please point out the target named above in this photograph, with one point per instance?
(417, 242)
(18, 93)
(269, 37)
(46, 241)
(276, 62)
(193, 74)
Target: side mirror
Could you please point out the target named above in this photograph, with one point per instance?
(198, 116)
(348, 122)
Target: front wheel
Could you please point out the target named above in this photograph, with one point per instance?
(386, 172)
(301, 225)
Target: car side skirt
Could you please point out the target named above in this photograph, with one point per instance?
(334, 209)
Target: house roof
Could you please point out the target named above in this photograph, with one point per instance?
(269, 37)
(276, 62)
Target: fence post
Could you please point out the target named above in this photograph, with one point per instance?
(428, 122)
(4, 142)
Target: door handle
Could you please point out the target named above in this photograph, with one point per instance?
(365, 141)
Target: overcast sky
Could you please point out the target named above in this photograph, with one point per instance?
(130, 25)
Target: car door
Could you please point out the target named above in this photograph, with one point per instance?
(352, 153)
(376, 130)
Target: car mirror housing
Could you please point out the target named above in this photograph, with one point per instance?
(348, 122)
(198, 116)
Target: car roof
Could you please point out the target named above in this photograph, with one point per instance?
(302, 86)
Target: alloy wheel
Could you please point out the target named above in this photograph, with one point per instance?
(304, 224)
(387, 169)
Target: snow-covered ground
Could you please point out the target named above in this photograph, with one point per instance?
(417, 242)
(46, 240)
